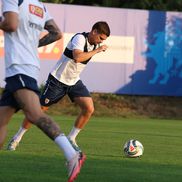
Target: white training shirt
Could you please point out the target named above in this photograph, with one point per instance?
(21, 54)
(67, 70)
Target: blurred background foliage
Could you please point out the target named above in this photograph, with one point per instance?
(164, 5)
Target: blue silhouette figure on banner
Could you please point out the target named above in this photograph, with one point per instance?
(167, 53)
(163, 71)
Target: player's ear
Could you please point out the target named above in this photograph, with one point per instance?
(95, 31)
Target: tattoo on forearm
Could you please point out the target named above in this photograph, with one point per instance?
(50, 128)
(51, 37)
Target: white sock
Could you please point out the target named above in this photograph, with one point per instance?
(65, 146)
(19, 134)
(73, 133)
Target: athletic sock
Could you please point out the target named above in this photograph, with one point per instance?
(19, 134)
(73, 133)
(65, 146)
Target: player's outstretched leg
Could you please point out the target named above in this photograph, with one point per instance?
(14, 142)
(87, 108)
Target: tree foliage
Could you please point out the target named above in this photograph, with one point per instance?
(166, 5)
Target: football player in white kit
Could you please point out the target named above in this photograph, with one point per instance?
(22, 23)
(64, 79)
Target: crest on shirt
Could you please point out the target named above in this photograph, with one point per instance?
(37, 11)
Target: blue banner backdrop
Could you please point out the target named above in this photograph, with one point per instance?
(144, 55)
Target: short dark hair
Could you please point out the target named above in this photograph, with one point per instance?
(102, 27)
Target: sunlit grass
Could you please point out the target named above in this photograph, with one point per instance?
(38, 159)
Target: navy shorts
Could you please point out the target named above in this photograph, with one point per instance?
(55, 90)
(15, 83)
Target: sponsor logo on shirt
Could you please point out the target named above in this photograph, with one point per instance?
(36, 26)
(37, 11)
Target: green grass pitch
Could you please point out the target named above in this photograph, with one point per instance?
(38, 159)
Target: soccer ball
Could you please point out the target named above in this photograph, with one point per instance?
(133, 148)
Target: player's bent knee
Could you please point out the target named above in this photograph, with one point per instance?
(34, 117)
(89, 110)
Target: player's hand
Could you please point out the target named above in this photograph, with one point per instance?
(102, 48)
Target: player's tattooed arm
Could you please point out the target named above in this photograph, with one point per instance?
(53, 35)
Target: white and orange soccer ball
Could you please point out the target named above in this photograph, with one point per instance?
(133, 148)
